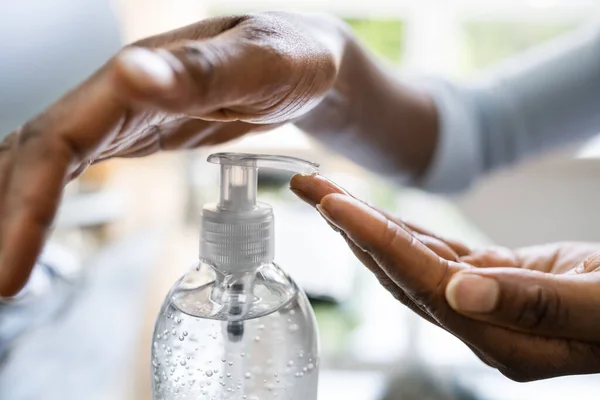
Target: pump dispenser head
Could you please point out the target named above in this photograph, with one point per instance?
(238, 231)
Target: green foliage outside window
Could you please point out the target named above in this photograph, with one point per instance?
(383, 37)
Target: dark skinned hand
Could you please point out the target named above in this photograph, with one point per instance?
(199, 85)
(532, 313)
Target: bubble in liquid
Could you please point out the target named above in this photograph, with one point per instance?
(215, 370)
(164, 346)
(275, 374)
(172, 369)
(290, 363)
(257, 338)
(228, 375)
(243, 354)
(230, 363)
(310, 366)
(178, 320)
(301, 354)
(304, 369)
(247, 375)
(293, 328)
(223, 360)
(185, 333)
(173, 332)
(181, 338)
(209, 373)
(261, 327)
(183, 363)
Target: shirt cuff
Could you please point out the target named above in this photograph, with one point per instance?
(457, 159)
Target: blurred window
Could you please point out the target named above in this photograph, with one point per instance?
(383, 36)
(489, 42)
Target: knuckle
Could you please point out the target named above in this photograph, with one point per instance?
(385, 240)
(541, 308)
(202, 57)
(10, 141)
(387, 237)
(32, 130)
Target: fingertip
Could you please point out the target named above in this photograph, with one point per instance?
(313, 188)
(314, 183)
(302, 181)
(145, 71)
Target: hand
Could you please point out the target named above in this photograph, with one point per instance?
(531, 313)
(199, 85)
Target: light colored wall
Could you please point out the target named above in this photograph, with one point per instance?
(550, 199)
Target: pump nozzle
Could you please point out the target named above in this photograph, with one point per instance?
(237, 232)
(239, 176)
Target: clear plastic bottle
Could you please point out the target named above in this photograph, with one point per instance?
(236, 326)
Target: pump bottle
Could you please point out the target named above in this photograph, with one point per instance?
(236, 326)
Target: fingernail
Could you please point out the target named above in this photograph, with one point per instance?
(472, 293)
(146, 69)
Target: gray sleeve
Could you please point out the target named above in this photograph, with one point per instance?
(540, 100)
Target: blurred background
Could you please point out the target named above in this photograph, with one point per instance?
(128, 229)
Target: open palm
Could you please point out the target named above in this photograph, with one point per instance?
(530, 313)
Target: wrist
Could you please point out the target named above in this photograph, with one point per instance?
(375, 118)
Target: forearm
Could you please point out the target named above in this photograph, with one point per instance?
(442, 136)
(375, 119)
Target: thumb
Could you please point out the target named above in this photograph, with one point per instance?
(530, 301)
